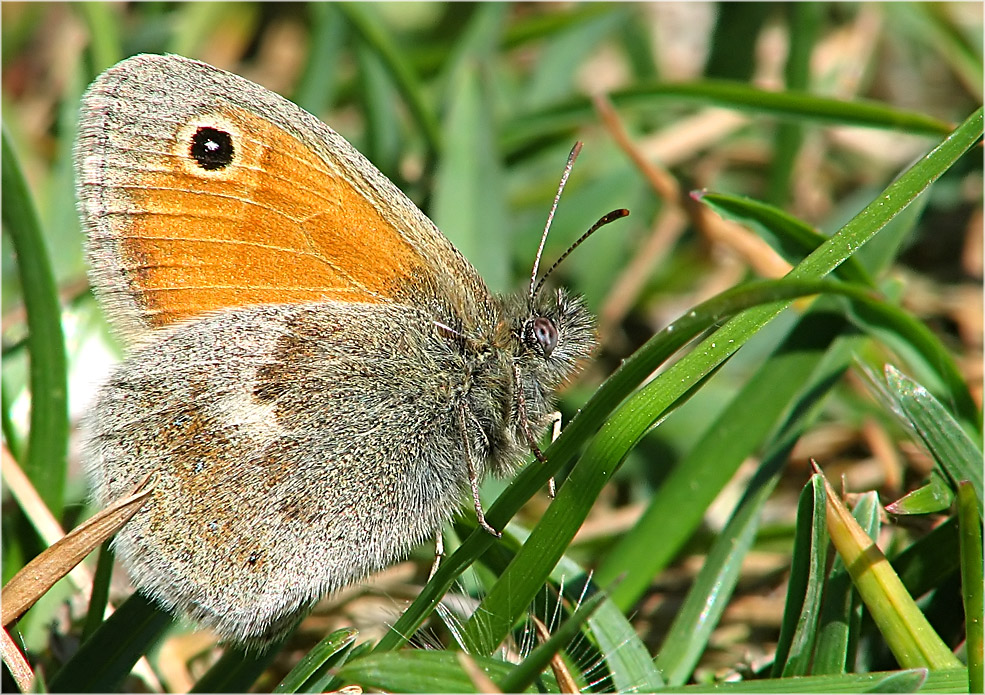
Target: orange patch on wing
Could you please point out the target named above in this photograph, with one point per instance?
(277, 225)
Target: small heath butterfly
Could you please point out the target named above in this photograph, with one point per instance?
(316, 378)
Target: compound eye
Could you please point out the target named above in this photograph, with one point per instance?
(544, 333)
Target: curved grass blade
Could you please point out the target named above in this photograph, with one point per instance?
(789, 236)
(734, 435)
(419, 671)
(897, 327)
(958, 457)
(47, 447)
(103, 662)
(821, 368)
(794, 239)
(328, 652)
(621, 431)
(943, 681)
(933, 497)
(561, 118)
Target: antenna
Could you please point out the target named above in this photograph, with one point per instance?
(550, 218)
(604, 220)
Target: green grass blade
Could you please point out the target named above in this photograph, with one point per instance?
(47, 446)
(317, 86)
(943, 681)
(623, 429)
(100, 590)
(660, 395)
(936, 496)
(625, 654)
(363, 20)
(469, 200)
(10, 434)
(805, 588)
(237, 670)
(563, 117)
(104, 661)
(926, 352)
(712, 462)
(420, 671)
(893, 200)
(103, 20)
(972, 583)
(533, 27)
(381, 143)
(927, 563)
(805, 23)
(687, 639)
(569, 47)
(732, 55)
(792, 238)
(952, 449)
(934, 26)
(628, 660)
(529, 670)
(708, 597)
(841, 614)
(325, 654)
(332, 681)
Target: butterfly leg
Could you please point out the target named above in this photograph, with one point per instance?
(439, 552)
(555, 433)
(555, 417)
(464, 414)
(521, 406)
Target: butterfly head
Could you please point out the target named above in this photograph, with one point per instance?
(555, 333)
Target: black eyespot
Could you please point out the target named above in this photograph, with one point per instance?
(543, 333)
(211, 148)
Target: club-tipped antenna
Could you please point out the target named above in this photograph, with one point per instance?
(550, 217)
(604, 220)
